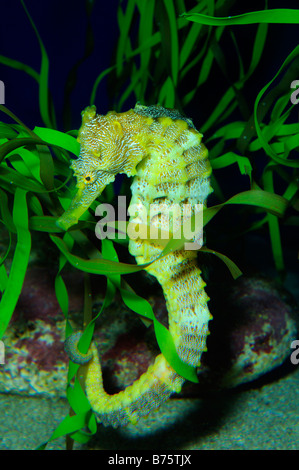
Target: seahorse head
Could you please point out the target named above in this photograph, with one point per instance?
(102, 143)
(105, 151)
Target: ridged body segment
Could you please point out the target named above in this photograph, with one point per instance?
(163, 150)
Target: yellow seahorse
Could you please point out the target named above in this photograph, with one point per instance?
(163, 150)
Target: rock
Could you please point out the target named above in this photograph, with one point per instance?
(35, 361)
(255, 321)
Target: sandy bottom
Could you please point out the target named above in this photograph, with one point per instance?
(262, 416)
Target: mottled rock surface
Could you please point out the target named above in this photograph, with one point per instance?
(255, 321)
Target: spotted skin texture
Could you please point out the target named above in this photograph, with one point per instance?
(72, 350)
(164, 153)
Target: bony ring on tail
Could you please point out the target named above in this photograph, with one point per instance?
(163, 151)
(71, 348)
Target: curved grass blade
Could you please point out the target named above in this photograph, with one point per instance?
(3, 258)
(59, 139)
(44, 223)
(273, 221)
(233, 268)
(10, 177)
(124, 21)
(71, 80)
(72, 424)
(13, 144)
(272, 203)
(5, 212)
(3, 278)
(231, 157)
(152, 41)
(43, 79)
(258, 47)
(16, 64)
(146, 23)
(173, 41)
(279, 15)
(96, 266)
(7, 111)
(187, 47)
(98, 81)
(19, 262)
(269, 151)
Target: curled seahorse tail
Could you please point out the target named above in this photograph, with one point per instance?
(71, 348)
(146, 394)
(139, 399)
(188, 323)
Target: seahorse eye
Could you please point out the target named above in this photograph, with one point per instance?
(90, 178)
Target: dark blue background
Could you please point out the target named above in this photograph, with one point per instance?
(62, 26)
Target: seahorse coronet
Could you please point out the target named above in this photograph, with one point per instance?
(163, 151)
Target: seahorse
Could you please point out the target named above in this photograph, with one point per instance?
(163, 151)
